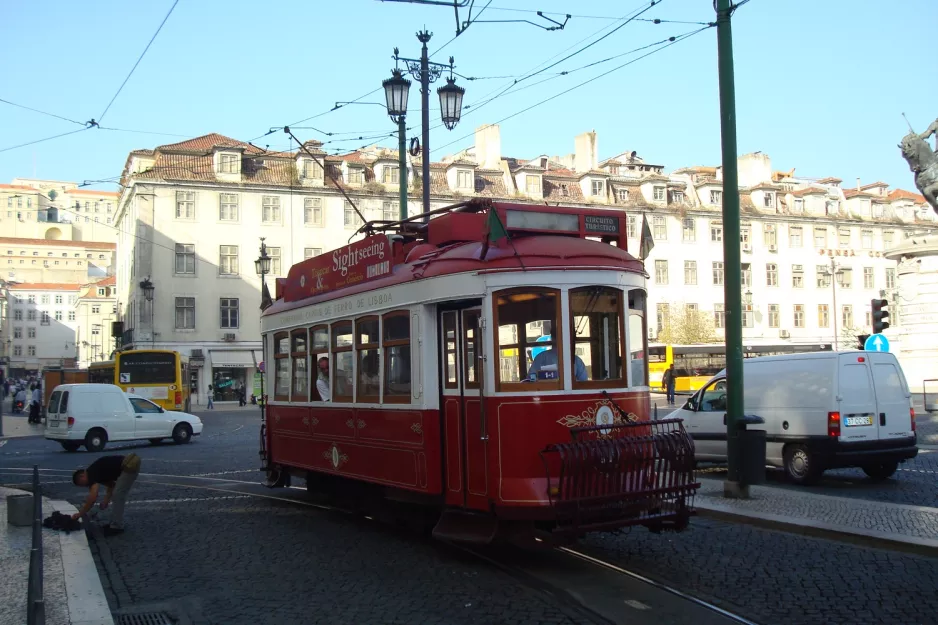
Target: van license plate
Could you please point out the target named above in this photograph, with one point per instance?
(860, 420)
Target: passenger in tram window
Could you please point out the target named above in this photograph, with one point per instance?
(322, 381)
(547, 360)
(369, 382)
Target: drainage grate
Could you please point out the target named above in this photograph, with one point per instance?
(144, 618)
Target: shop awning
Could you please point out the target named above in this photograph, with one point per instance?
(240, 358)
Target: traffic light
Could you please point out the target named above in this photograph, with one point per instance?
(880, 314)
(861, 341)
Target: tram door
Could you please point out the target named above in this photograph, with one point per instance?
(466, 451)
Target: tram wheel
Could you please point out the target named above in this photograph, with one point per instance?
(277, 478)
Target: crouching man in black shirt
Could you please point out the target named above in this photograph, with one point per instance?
(117, 474)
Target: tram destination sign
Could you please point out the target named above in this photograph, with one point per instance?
(601, 224)
(353, 264)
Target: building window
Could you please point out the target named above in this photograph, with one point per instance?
(690, 272)
(869, 319)
(532, 184)
(185, 258)
(396, 345)
(847, 316)
(356, 175)
(716, 197)
(342, 361)
(275, 257)
(771, 274)
(866, 236)
(596, 188)
(632, 227)
(799, 206)
(31, 350)
(823, 277)
(228, 264)
(228, 163)
(799, 315)
(45, 319)
(565, 190)
(58, 298)
(658, 194)
(228, 207)
(390, 211)
(823, 316)
(185, 313)
(689, 229)
(623, 195)
(719, 316)
(770, 235)
(797, 276)
(716, 232)
(659, 228)
(45, 299)
(774, 317)
(312, 211)
(718, 273)
(768, 200)
(830, 207)
(351, 217)
(95, 310)
(58, 315)
(71, 315)
(311, 169)
(30, 315)
(843, 237)
(310, 252)
(677, 197)
(18, 315)
(890, 278)
(748, 317)
(795, 236)
(17, 350)
(31, 332)
(868, 278)
(846, 278)
(663, 316)
(391, 175)
(17, 333)
(185, 205)
(820, 237)
(661, 271)
(270, 212)
(745, 235)
(887, 238)
(229, 312)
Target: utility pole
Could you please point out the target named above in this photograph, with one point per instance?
(402, 165)
(732, 286)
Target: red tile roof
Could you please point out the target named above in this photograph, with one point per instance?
(851, 193)
(43, 286)
(902, 194)
(830, 180)
(91, 245)
(872, 185)
(207, 143)
(809, 191)
(18, 187)
(91, 289)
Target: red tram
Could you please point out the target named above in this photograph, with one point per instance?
(489, 364)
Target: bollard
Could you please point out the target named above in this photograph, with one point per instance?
(35, 605)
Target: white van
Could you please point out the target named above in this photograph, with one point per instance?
(93, 414)
(822, 410)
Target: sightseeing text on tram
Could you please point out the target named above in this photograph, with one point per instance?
(361, 261)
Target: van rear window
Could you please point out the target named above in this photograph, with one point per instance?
(54, 402)
(63, 405)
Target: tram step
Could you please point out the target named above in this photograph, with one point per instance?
(466, 527)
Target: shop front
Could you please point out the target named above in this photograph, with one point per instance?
(232, 373)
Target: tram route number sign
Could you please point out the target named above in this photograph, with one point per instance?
(601, 224)
(368, 259)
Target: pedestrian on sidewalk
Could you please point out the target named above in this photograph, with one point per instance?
(669, 383)
(242, 396)
(34, 405)
(211, 399)
(117, 474)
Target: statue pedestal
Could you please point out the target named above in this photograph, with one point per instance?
(917, 286)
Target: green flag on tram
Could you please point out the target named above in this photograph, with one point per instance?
(494, 231)
(647, 241)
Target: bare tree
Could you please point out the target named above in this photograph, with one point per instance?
(687, 326)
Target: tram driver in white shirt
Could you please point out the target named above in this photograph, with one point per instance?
(322, 381)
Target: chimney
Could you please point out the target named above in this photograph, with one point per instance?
(585, 148)
(858, 185)
(488, 146)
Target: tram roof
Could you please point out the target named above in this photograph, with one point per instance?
(461, 239)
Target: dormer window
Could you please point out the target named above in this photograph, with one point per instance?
(716, 197)
(464, 179)
(768, 200)
(658, 194)
(865, 208)
(677, 197)
(229, 163)
(565, 190)
(391, 175)
(623, 195)
(830, 207)
(799, 206)
(311, 169)
(532, 184)
(597, 188)
(356, 175)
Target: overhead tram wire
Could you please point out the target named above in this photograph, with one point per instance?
(140, 58)
(582, 84)
(64, 134)
(29, 108)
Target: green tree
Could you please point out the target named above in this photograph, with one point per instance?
(53, 195)
(687, 326)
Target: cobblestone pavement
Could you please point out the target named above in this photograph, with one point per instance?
(778, 578)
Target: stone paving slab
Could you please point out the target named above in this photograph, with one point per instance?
(17, 426)
(889, 525)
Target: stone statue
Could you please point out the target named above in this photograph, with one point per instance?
(923, 162)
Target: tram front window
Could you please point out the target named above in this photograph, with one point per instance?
(528, 332)
(638, 338)
(596, 316)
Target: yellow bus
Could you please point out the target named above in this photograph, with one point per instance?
(162, 376)
(694, 365)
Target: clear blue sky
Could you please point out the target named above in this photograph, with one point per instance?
(820, 84)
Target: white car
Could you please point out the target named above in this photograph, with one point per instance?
(94, 414)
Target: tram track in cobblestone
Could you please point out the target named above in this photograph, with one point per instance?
(586, 588)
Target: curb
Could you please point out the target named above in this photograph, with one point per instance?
(87, 603)
(819, 529)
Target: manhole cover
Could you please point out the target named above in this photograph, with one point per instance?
(144, 618)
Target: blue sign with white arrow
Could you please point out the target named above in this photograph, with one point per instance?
(876, 343)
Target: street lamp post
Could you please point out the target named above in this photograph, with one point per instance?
(262, 267)
(396, 90)
(832, 273)
(451, 97)
(147, 287)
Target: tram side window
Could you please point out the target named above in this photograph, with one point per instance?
(300, 372)
(596, 319)
(396, 345)
(529, 339)
(638, 338)
(472, 335)
(282, 366)
(367, 342)
(449, 338)
(320, 389)
(343, 376)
